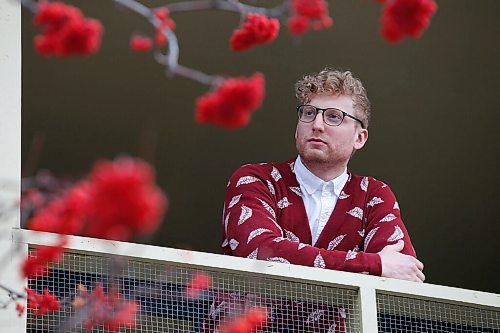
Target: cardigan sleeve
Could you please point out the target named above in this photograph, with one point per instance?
(251, 229)
(384, 225)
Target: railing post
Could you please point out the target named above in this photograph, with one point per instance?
(367, 303)
(10, 168)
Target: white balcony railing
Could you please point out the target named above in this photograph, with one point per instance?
(296, 296)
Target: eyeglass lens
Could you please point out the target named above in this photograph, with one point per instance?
(307, 113)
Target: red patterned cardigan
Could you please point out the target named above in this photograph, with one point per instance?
(265, 218)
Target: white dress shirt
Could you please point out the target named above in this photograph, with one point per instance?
(319, 197)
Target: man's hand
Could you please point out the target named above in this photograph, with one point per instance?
(400, 266)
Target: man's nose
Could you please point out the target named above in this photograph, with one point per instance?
(318, 123)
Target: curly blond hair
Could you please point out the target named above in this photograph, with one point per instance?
(331, 81)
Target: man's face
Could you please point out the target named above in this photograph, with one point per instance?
(317, 142)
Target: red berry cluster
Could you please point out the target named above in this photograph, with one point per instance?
(402, 18)
(36, 263)
(108, 310)
(199, 283)
(257, 29)
(117, 201)
(232, 103)
(248, 323)
(66, 32)
(308, 14)
(42, 303)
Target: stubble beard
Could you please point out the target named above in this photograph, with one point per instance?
(321, 159)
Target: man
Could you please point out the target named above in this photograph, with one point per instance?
(311, 210)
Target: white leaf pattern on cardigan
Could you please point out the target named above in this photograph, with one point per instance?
(271, 187)
(351, 254)
(332, 328)
(396, 235)
(396, 205)
(369, 237)
(278, 259)
(225, 242)
(253, 255)
(343, 195)
(228, 183)
(315, 316)
(301, 246)
(296, 190)
(275, 174)
(234, 201)
(292, 165)
(375, 201)
(364, 184)
(246, 213)
(256, 232)
(283, 203)
(356, 212)
(233, 244)
(388, 218)
(226, 221)
(276, 224)
(278, 239)
(267, 207)
(361, 233)
(335, 242)
(319, 261)
(246, 180)
(215, 311)
(291, 236)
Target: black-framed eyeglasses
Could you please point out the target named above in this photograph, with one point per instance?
(331, 116)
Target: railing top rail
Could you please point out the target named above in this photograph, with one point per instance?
(212, 261)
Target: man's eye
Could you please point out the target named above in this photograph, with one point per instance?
(309, 113)
(333, 116)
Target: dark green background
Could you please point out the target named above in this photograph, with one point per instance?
(433, 135)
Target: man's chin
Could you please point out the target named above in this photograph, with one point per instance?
(314, 156)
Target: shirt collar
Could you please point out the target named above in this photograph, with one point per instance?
(312, 183)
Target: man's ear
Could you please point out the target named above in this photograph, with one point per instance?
(361, 138)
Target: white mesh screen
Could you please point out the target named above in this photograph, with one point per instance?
(165, 307)
(406, 314)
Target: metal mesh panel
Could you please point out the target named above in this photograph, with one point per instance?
(160, 290)
(404, 314)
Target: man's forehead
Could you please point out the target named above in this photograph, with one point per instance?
(331, 100)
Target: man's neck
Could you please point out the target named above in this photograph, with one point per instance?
(325, 171)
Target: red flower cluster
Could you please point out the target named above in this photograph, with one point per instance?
(66, 32)
(162, 14)
(42, 303)
(308, 14)
(198, 283)
(20, 309)
(141, 43)
(124, 200)
(248, 323)
(64, 215)
(402, 18)
(117, 201)
(258, 29)
(232, 103)
(108, 310)
(36, 264)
